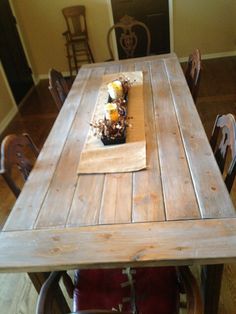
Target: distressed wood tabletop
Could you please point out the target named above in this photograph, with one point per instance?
(177, 211)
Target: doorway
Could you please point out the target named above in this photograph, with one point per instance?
(155, 14)
(12, 56)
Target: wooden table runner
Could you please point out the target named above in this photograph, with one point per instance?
(131, 156)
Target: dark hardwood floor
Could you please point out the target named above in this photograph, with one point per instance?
(217, 94)
(36, 117)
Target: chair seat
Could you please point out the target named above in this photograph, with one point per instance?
(76, 39)
(101, 289)
(156, 290)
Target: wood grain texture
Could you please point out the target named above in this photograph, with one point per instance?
(143, 244)
(61, 192)
(210, 189)
(128, 61)
(85, 208)
(117, 193)
(28, 204)
(181, 186)
(148, 203)
(117, 190)
(178, 191)
(217, 95)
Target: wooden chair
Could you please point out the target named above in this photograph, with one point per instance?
(58, 87)
(77, 42)
(223, 143)
(13, 155)
(193, 73)
(149, 290)
(132, 35)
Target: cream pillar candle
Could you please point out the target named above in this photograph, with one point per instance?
(115, 89)
(111, 112)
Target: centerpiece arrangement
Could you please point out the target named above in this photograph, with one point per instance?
(112, 128)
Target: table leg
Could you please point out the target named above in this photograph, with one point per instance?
(211, 284)
(60, 306)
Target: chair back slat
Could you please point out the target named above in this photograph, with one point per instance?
(58, 87)
(223, 143)
(75, 20)
(13, 155)
(130, 34)
(193, 73)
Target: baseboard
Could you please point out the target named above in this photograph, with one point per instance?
(4, 123)
(26, 97)
(183, 59)
(213, 55)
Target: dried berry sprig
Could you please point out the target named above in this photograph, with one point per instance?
(108, 128)
(126, 83)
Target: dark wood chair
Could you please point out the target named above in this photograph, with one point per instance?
(193, 73)
(58, 87)
(223, 143)
(140, 290)
(14, 150)
(77, 42)
(132, 35)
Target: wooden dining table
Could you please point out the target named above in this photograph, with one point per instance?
(176, 211)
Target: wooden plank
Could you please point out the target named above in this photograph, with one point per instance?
(128, 61)
(57, 203)
(212, 196)
(116, 201)
(85, 209)
(209, 241)
(32, 196)
(117, 192)
(148, 203)
(178, 190)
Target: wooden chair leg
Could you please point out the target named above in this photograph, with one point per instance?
(69, 59)
(38, 279)
(90, 53)
(76, 291)
(211, 284)
(74, 57)
(60, 306)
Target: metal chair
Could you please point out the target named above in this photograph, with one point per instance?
(77, 42)
(58, 87)
(131, 36)
(193, 73)
(13, 155)
(159, 286)
(223, 143)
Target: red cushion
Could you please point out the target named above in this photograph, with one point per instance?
(101, 289)
(156, 290)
